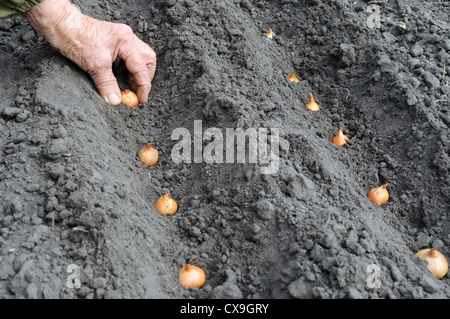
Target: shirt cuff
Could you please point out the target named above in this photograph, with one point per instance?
(13, 7)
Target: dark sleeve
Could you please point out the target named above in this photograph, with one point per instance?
(12, 7)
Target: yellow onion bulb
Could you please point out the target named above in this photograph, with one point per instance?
(130, 98)
(437, 263)
(148, 155)
(340, 139)
(166, 205)
(312, 105)
(293, 78)
(192, 276)
(379, 195)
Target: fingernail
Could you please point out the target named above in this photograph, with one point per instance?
(113, 99)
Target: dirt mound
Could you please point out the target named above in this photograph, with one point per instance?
(74, 194)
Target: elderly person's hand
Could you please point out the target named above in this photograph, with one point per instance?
(94, 45)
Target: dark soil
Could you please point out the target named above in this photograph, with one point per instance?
(74, 192)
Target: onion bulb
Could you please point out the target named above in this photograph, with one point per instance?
(312, 105)
(379, 195)
(293, 78)
(148, 155)
(166, 205)
(437, 263)
(130, 98)
(192, 276)
(340, 139)
(270, 34)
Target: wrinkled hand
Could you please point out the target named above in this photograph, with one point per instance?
(94, 45)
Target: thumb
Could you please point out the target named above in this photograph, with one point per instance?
(107, 86)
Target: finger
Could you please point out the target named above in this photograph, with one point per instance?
(136, 88)
(142, 85)
(137, 56)
(132, 81)
(107, 86)
(151, 70)
(138, 69)
(149, 56)
(140, 76)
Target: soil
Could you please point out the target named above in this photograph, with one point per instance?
(74, 193)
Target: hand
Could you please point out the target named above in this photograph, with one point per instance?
(94, 45)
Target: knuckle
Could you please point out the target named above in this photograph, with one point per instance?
(98, 62)
(148, 53)
(151, 56)
(125, 31)
(97, 67)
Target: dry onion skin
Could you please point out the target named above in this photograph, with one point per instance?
(166, 205)
(130, 98)
(379, 195)
(192, 276)
(148, 155)
(293, 78)
(312, 105)
(437, 263)
(399, 24)
(340, 139)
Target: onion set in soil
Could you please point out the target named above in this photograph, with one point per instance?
(293, 78)
(130, 98)
(437, 263)
(379, 195)
(340, 139)
(312, 105)
(192, 276)
(148, 155)
(166, 205)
